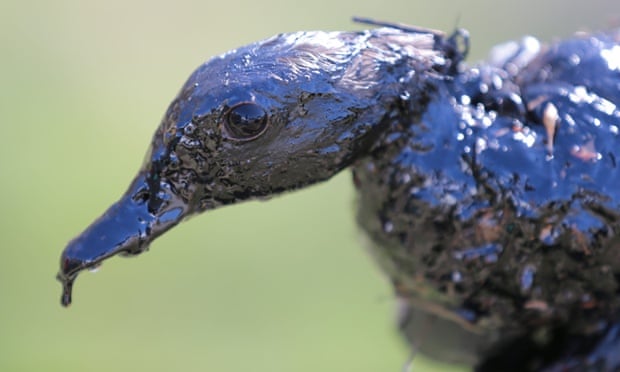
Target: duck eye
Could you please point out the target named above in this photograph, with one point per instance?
(245, 121)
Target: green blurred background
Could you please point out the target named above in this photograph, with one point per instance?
(277, 286)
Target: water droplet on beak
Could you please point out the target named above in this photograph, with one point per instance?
(95, 268)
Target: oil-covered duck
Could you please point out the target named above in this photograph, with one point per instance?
(491, 194)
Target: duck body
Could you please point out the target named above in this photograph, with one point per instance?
(494, 210)
(489, 194)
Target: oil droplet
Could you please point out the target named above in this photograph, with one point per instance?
(67, 287)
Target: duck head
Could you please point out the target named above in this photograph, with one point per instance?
(273, 116)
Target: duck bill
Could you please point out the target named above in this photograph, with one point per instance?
(126, 228)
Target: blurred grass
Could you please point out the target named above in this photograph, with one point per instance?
(84, 84)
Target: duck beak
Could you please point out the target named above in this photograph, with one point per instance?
(126, 228)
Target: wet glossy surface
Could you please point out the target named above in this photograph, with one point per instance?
(323, 96)
(491, 213)
(126, 228)
(488, 192)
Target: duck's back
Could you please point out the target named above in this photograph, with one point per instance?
(494, 209)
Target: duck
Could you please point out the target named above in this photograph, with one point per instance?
(488, 193)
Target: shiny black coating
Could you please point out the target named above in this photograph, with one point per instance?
(488, 193)
(323, 106)
(493, 206)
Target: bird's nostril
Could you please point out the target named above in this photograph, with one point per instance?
(142, 196)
